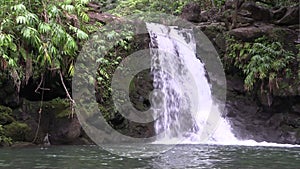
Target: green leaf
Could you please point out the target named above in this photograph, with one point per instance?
(71, 70)
(23, 52)
(82, 35)
(13, 47)
(69, 8)
(44, 27)
(21, 20)
(18, 8)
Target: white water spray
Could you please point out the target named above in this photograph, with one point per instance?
(185, 111)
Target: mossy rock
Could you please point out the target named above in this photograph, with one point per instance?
(5, 115)
(287, 87)
(6, 119)
(17, 131)
(5, 110)
(4, 140)
(212, 30)
(61, 107)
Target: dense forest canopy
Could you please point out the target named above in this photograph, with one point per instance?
(38, 35)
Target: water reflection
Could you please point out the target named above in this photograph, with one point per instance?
(180, 157)
(199, 156)
(185, 156)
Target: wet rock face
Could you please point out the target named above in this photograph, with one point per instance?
(139, 93)
(9, 95)
(278, 123)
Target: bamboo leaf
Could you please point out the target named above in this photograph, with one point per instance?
(21, 20)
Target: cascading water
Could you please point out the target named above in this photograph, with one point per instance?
(185, 95)
(182, 101)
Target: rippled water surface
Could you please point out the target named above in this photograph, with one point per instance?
(180, 156)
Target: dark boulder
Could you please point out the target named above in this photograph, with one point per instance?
(191, 12)
(209, 15)
(230, 4)
(64, 131)
(245, 21)
(256, 12)
(250, 33)
(235, 84)
(291, 17)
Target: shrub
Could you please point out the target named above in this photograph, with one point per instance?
(260, 61)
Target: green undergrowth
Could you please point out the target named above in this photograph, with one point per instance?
(10, 129)
(4, 140)
(262, 61)
(17, 131)
(5, 118)
(61, 107)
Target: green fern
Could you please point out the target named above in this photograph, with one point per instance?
(261, 60)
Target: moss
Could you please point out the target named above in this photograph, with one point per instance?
(6, 119)
(61, 107)
(107, 110)
(212, 31)
(16, 130)
(4, 140)
(5, 110)
(5, 115)
(278, 34)
(63, 113)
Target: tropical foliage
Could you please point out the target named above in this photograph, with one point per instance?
(128, 7)
(260, 61)
(41, 35)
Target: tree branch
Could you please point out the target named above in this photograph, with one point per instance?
(68, 94)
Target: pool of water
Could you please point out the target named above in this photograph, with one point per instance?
(179, 156)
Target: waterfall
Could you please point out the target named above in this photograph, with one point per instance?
(182, 99)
